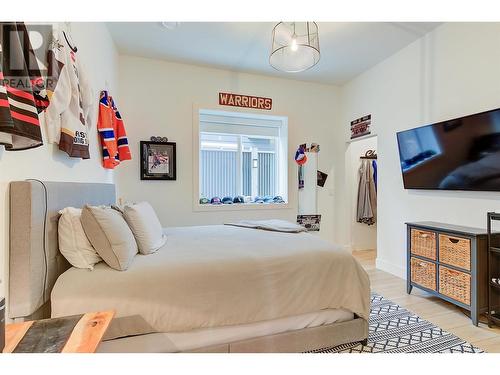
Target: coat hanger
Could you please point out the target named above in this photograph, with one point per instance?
(370, 154)
(67, 27)
(106, 86)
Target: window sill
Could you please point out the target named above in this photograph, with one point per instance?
(240, 207)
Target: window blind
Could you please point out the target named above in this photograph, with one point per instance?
(227, 124)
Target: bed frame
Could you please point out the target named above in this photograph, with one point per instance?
(35, 263)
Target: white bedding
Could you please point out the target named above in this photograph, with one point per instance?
(205, 337)
(216, 276)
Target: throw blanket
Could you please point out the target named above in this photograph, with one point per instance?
(274, 225)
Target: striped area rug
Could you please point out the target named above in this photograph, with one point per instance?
(394, 329)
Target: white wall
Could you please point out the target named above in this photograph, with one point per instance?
(157, 98)
(451, 72)
(96, 50)
(362, 236)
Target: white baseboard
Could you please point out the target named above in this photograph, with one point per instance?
(390, 268)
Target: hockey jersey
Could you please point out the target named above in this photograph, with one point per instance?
(68, 117)
(112, 133)
(22, 91)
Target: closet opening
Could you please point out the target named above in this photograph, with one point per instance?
(362, 174)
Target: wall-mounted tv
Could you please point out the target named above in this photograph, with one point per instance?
(458, 154)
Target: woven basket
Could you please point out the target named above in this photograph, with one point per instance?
(423, 243)
(423, 273)
(454, 251)
(454, 284)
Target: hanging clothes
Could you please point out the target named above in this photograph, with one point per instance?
(70, 113)
(367, 196)
(301, 176)
(300, 159)
(112, 133)
(22, 91)
(374, 166)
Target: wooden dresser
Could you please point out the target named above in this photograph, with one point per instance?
(449, 261)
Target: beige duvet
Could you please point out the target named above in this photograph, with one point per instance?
(213, 276)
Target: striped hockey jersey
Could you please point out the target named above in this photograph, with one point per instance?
(69, 114)
(111, 130)
(22, 90)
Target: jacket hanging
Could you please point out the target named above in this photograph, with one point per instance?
(68, 117)
(112, 133)
(367, 196)
(22, 91)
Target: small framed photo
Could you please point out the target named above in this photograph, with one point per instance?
(158, 160)
(310, 222)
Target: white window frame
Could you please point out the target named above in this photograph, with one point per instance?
(282, 150)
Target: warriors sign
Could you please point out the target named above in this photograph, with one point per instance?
(245, 101)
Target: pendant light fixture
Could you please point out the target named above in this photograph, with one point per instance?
(295, 46)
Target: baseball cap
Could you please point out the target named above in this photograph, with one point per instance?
(300, 156)
(204, 201)
(215, 200)
(227, 200)
(239, 199)
(278, 199)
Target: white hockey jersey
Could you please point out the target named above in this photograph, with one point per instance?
(70, 113)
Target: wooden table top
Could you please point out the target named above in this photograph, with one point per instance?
(84, 336)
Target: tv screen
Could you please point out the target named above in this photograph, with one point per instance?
(459, 154)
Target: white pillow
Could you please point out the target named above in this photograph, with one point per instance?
(147, 230)
(73, 243)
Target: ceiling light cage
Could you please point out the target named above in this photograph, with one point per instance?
(295, 46)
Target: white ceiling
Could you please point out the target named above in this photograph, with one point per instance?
(347, 49)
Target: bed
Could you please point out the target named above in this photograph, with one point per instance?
(209, 289)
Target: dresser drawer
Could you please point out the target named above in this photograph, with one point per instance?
(454, 251)
(423, 273)
(454, 284)
(423, 243)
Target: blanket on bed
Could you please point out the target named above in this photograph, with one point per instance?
(272, 224)
(219, 275)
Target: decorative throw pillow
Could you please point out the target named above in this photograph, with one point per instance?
(144, 223)
(73, 243)
(110, 235)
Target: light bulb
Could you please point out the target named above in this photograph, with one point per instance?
(294, 47)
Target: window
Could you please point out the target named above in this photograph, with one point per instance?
(242, 155)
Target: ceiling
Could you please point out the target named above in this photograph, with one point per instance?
(347, 48)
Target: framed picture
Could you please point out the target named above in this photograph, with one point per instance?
(361, 126)
(321, 177)
(158, 160)
(310, 222)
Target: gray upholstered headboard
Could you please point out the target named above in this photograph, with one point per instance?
(35, 262)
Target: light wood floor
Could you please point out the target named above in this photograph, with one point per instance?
(433, 309)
